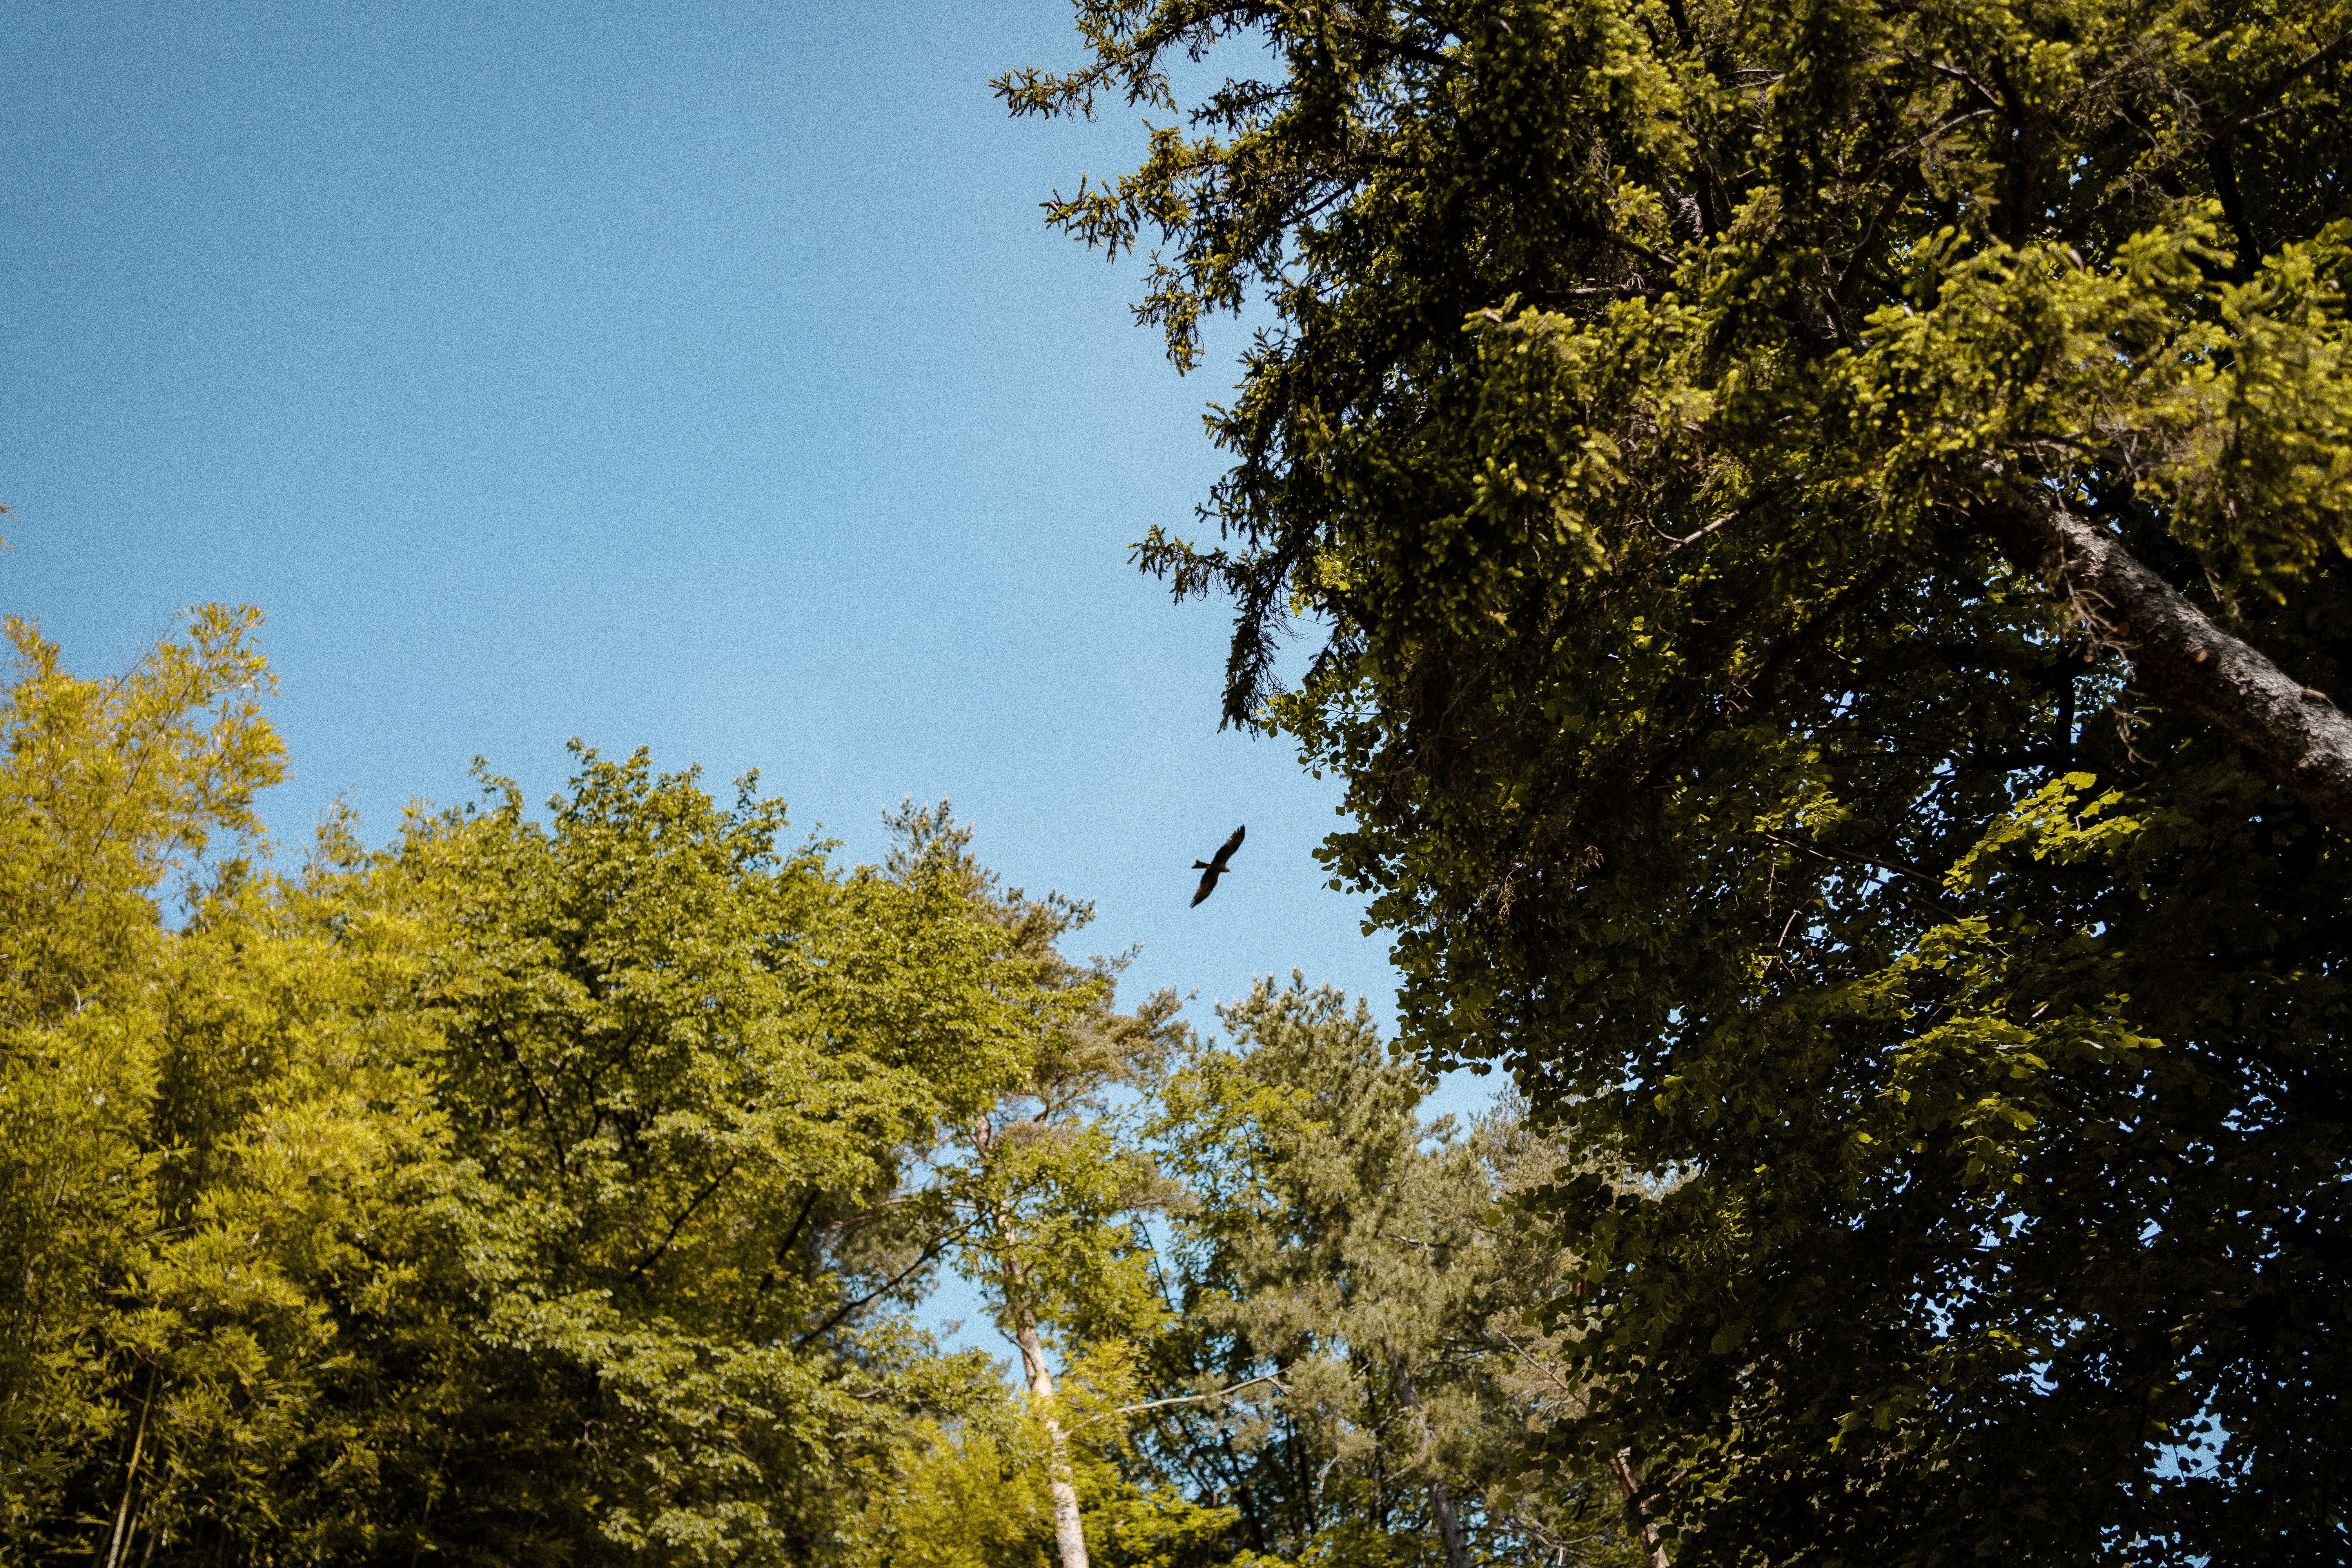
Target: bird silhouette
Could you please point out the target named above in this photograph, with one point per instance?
(1212, 870)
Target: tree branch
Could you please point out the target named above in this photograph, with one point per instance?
(1273, 1377)
(2293, 734)
(2269, 91)
(2254, 108)
(683, 1215)
(1401, 47)
(922, 1259)
(1637, 1507)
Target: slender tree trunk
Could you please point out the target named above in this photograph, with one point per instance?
(1441, 1495)
(2296, 735)
(1620, 1465)
(131, 1479)
(1069, 1534)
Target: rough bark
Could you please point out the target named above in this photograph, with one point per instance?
(1069, 1533)
(2296, 735)
(1449, 1524)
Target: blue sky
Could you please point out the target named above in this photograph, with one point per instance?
(697, 376)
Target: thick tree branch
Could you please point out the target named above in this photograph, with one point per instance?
(2293, 734)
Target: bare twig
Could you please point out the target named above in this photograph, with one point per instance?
(1273, 1377)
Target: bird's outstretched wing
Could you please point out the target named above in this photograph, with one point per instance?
(1226, 853)
(1213, 868)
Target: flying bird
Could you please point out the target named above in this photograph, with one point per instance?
(1212, 870)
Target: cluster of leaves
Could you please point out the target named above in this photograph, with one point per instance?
(527, 1192)
(1650, 394)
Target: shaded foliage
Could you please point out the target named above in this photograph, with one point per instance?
(1657, 408)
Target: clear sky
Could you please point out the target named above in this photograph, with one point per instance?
(694, 375)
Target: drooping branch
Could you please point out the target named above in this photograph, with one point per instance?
(2295, 734)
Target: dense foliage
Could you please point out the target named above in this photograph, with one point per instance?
(1831, 524)
(526, 1192)
(557, 1189)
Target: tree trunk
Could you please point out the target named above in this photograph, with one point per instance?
(1620, 1465)
(1069, 1536)
(1441, 1495)
(123, 1520)
(1449, 1524)
(2294, 735)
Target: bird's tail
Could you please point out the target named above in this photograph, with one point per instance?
(1200, 865)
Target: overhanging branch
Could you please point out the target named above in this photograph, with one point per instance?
(2296, 735)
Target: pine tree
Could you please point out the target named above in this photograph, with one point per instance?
(1361, 1267)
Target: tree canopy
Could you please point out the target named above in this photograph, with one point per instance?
(1827, 525)
(1352, 1261)
(559, 1188)
(1829, 533)
(525, 1192)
